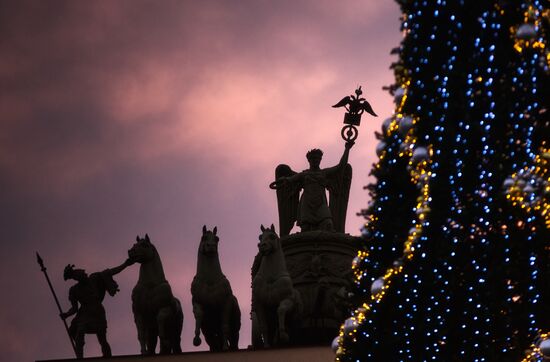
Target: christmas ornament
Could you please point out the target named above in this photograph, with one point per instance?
(526, 32)
(380, 148)
(335, 344)
(420, 154)
(545, 348)
(405, 125)
(377, 286)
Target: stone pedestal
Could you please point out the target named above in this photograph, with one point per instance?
(319, 263)
(320, 354)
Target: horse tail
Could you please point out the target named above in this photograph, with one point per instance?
(235, 324)
(178, 327)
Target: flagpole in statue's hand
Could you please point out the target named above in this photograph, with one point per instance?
(43, 268)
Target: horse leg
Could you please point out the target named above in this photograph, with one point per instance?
(141, 331)
(198, 312)
(282, 310)
(152, 334)
(227, 310)
(263, 324)
(163, 322)
(256, 333)
(102, 339)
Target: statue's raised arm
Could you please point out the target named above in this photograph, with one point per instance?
(339, 185)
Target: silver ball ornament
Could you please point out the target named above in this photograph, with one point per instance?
(398, 95)
(405, 125)
(544, 347)
(420, 154)
(528, 189)
(526, 32)
(349, 325)
(508, 183)
(377, 286)
(335, 344)
(380, 148)
(386, 125)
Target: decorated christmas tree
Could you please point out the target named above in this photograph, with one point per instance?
(455, 263)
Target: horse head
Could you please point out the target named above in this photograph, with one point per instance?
(142, 251)
(269, 240)
(209, 241)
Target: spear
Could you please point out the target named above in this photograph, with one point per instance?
(43, 268)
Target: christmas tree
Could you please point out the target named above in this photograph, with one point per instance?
(455, 263)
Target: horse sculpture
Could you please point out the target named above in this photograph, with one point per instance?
(215, 307)
(157, 313)
(274, 299)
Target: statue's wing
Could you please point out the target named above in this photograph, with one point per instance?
(368, 108)
(339, 186)
(287, 200)
(343, 102)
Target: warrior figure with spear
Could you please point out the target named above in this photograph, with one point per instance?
(86, 298)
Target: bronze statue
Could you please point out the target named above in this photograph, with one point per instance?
(157, 313)
(86, 298)
(317, 259)
(215, 307)
(312, 211)
(275, 302)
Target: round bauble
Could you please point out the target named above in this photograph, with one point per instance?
(335, 344)
(377, 286)
(380, 148)
(404, 146)
(545, 348)
(386, 125)
(405, 125)
(398, 95)
(508, 182)
(355, 262)
(350, 325)
(526, 32)
(420, 154)
(528, 189)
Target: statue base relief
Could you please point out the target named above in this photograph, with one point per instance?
(319, 263)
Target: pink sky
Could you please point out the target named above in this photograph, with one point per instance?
(120, 118)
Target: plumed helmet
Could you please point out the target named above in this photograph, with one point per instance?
(68, 272)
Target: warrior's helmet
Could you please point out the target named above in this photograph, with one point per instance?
(68, 272)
